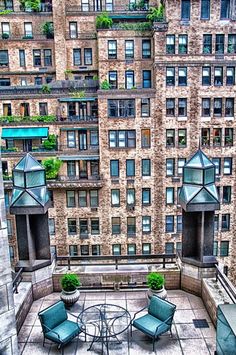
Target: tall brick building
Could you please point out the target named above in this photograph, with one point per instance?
(127, 105)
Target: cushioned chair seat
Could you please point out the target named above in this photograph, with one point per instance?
(148, 324)
(66, 331)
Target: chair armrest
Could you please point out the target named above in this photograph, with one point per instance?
(164, 322)
(138, 312)
(51, 330)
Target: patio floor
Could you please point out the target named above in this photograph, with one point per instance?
(186, 338)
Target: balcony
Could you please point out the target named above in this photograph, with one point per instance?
(35, 120)
(30, 37)
(87, 151)
(126, 9)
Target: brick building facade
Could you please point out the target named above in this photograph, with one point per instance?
(171, 88)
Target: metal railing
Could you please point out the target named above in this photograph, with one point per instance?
(116, 260)
(40, 149)
(110, 9)
(226, 284)
(76, 178)
(18, 37)
(92, 119)
(17, 280)
(89, 148)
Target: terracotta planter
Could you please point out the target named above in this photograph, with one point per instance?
(69, 297)
(158, 293)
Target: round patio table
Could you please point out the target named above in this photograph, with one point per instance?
(104, 321)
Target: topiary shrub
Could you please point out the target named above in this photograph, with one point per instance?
(155, 281)
(103, 21)
(48, 29)
(51, 142)
(105, 85)
(70, 282)
(52, 167)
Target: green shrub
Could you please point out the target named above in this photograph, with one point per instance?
(105, 85)
(33, 5)
(70, 282)
(156, 14)
(138, 26)
(103, 21)
(46, 89)
(5, 12)
(48, 29)
(155, 281)
(51, 142)
(78, 94)
(52, 167)
(5, 35)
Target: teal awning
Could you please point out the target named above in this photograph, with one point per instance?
(79, 157)
(24, 133)
(75, 99)
(129, 17)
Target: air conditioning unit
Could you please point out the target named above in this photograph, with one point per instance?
(94, 209)
(130, 208)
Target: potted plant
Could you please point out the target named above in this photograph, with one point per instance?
(155, 282)
(48, 30)
(70, 293)
(103, 21)
(156, 14)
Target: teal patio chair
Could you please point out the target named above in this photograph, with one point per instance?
(56, 326)
(157, 321)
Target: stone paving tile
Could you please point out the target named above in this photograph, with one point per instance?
(21, 347)
(24, 333)
(211, 344)
(188, 331)
(136, 305)
(201, 314)
(135, 295)
(93, 303)
(36, 335)
(180, 302)
(115, 296)
(95, 296)
(196, 302)
(184, 316)
(55, 296)
(35, 349)
(193, 346)
(30, 319)
(209, 332)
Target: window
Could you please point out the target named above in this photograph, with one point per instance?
(131, 225)
(130, 197)
(71, 168)
(6, 109)
(47, 57)
(217, 135)
(183, 44)
(224, 248)
(71, 226)
(146, 48)
(181, 162)
(9, 228)
(220, 41)
(23, 82)
(96, 249)
(146, 224)
(131, 249)
(11, 253)
(206, 107)
(182, 76)
(73, 29)
(115, 225)
(225, 9)
(207, 44)
(88, 60)
(205, 137)
(77, 56)
(115, 197)
(146, 196)
(170, 167)
(130, 167)
(170, 195)
(170, 137)
(229, 107)
(169, 248)
(94, 138)
(229, 137)
(82, 198)
(205, 9)
(83, 227)
(169, 224)
(206, 76)
(109, 5)
(129, 79)
(170, 107)
(5, 29)
(43, 108)
(147, 80)
(116, 249)
(225, 223)
(70, 198)
(95, 226)
(232, 43)
(145, 138)
(170, 76)
(73, 250)
(129, 49)
(217, 110)
(84, 250)
(217, 163)
(226, 194)
(28, 29)
(36, 57)
(112, 49)
(170, 44)
(230, 76)
(5, 82)
(112, 78)
(145, 107)
(22, 58)
(121, 108)
(122, 139)
(93, 194)
(146, 167)
(71, 140)
(182, 137)
(4, 61)
(215, 248)
(51, 226)
(114, 168)
(85, 5)
(179, 224)
(185, 10)
(227, 166)
(146, 248)
(218, 76)
(182, 107)
(216, 223)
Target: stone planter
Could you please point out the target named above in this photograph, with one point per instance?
(158, 293)
(69, 297)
